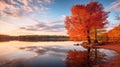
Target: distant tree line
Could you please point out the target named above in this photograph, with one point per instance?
(34, 38)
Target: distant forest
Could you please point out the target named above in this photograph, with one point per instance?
(34, 38)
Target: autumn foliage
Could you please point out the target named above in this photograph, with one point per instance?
(114, 34)
(84, 19)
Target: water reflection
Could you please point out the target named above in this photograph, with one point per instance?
(46, 54)
(77, 58)
(40, 50)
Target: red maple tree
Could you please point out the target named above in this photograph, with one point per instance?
(85, 18)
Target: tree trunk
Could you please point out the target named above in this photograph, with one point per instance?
(89, 40)
(96, 40)
(89, 48)
(95, 55)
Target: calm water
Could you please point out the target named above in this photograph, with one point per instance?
(39, 54)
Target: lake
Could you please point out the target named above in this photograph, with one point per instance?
(41, 54)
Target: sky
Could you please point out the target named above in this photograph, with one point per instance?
(45, 17)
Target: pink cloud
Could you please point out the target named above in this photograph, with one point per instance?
(48, 1)
(115, 5)
(22, 7)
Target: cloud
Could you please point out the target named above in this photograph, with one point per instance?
(40, 50)
(22, 7)
(48, 1)
(56, 26)
(63, 17)
(115, 6)
(118, 18)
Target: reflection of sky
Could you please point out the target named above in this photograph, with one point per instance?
(44, 17)
(110, 53)
(35, 54)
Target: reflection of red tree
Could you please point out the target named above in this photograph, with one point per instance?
(77, 59)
